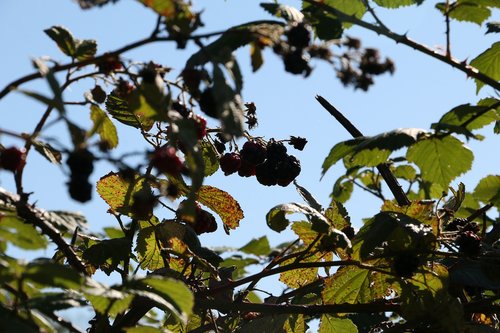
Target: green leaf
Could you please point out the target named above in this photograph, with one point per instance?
(468, 11)
(144, 329)
(66, 221)
(209, 157)
(108, 254)
(148, 249)
(223, 204)
(85, 49)
(107, 300)
(118, 192)
(63, 38)
(120, 109)
(406, 172)
(170, 9)
(20, 234)
(50, 302)
(288, 13)
(256, 57)
(488, 63)
(397, 3)
(371, 151)
(258, 246)
(43, 99)
(440, 159)
(469, 117)
(173, 291)
(396, 232)
(330, 324)
(488, 190)
(338, 215)
(276, 217)
(220, 50)
(47, 273)
(276, 323)
(240, 264)
(342, 190)
(103, 126)
(351, 284)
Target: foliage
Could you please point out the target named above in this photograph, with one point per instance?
(427, 261)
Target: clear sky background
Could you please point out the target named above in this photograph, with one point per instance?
(418, 93)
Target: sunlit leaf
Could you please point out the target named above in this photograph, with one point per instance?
(108, 301)
(353, 285)
(440, 159)
(397, 3)
(223, 204)
(488, 190)
(148, 249)
(118, 191)
(103, 126)
(331, 324)
(259, 247)
(108, 254)
(85, 49)
(209, 157)
(468, 11)
(276, 217)
(119, 109)
(488, 63)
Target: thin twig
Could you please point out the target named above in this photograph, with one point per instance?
(447, 19)
(403, 39)
(383, 168)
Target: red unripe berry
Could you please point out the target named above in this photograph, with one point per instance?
(12, 158)
(201, 126)
(230, 163)
(166, 160)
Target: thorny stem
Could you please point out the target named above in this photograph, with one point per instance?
(384, 170)
(59, 68)
(447, 18)
(403, 39)
(374, 15)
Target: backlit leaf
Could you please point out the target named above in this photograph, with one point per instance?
(332, 324)
(148, 249)
(488, 190)
(440, 159)
(222, 203)
(209, 157)
(50, 153)
(276, 217)
(85, 49)
(63, 38)
(353, 285)
(469, 117)
(48, 273)
(488, 63)
(120, 109)
(108, 254)
(118, 192)
(103, 126)
(259, 246)
(397, 3)
(468, 11)
(107, 300)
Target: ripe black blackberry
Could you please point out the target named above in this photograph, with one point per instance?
(276, 151)
(253, 153)
(266, 173)
(287, 170)
(469, 243)
(299, 35)
(405, 264)
(230, 163)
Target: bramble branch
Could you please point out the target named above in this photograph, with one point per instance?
(460, 65)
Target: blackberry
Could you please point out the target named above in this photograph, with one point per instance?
(230, 163)
(166, 160)
(81, 162)
(266, 173)
(276, 151)
(296, 63)
(98, 94)
(204, 222)
(253, 153)
(469, 243)
(12, 158)
(246, 169)
(79, 188)
(349, 231)
(405, 264)
(299, 35)
(287, 170)
(208, 104)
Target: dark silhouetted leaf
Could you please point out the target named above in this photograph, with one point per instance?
(63, 38)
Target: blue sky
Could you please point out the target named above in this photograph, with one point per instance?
(418, 93)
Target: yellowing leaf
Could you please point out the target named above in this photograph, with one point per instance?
(103, 126)
(221, 203)
(299, 277)
(118, 192)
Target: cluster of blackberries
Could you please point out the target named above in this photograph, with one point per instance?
(269, 163)
(467, 240)
(296, 61)
(369, 64)
(12, 159)
(204, 221)
(405, 264)
(165, 160)
(81, 164)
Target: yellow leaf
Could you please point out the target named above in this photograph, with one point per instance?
(223, 204)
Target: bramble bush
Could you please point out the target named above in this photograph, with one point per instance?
(427, 262)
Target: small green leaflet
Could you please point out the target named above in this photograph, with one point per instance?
(488, 63)
(468, 11)
(259, 247)
(103, 126)
(20, 234)
(276, 217)
(70, 46)
(440, 159)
